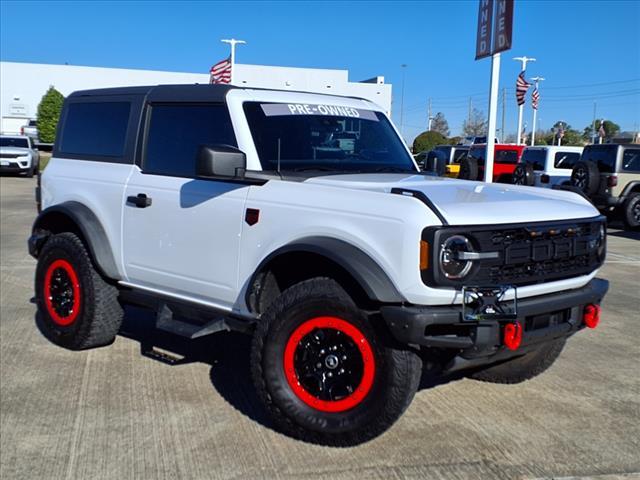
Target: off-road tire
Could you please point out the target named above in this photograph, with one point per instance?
(524, 175)
(469, 169)
(586, 177)
(522, 368)
(631, 211)
(99, 314)
(396, 379)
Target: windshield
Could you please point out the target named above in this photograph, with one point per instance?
(14, 142)
(324, 137)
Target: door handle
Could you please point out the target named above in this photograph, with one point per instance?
(141, 200)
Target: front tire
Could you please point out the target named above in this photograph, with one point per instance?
(522, 368)
(78, 309)
(323, 373)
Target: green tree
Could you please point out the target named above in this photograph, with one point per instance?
(611, 129)
(49, 115)
(475, 125)
(427, 140)
(454, 140)
(570, 137)
(439, 124)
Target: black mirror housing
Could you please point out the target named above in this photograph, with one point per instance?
(220, 161)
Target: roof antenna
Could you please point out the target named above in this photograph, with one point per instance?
(278, 154)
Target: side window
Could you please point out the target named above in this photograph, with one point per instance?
(96, 129)
(631, 160)
(478, 154)
(506, 156)
(602, 155)
(459, 154)
(175, 133)
(566, 160)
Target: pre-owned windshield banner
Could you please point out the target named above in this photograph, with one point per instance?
(286, 109)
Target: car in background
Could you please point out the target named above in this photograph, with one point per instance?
(505, 160)
(31, 130)
(18, 154)
(609, 175)
(447, 155)
(546, 166)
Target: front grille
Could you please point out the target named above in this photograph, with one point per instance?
(9, 155)
(527, 253)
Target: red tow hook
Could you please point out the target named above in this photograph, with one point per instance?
(591, 315)
(512, 336)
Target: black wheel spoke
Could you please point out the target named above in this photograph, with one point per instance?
(61, 292)
(328, 364)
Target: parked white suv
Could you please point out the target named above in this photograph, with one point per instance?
(546, 166)
(227, 208)
(18, 154)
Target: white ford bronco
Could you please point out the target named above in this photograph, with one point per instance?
(303, 220)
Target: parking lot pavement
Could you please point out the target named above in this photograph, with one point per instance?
(116, 413)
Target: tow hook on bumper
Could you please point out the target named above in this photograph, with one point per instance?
(539, 319)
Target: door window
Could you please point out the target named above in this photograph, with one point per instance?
(177, 131)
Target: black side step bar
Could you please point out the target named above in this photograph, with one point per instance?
(166, 322)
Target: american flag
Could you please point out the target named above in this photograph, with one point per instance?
(560, 131)
(601, 132)
(535, 98)
(521, 88)
(221, 72)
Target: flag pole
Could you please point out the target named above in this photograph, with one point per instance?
(493, 117)
(524, 61)
(535, 110)
(233, 42)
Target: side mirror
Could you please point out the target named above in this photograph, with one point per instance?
(220, 161)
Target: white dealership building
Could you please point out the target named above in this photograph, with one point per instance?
(22, 85)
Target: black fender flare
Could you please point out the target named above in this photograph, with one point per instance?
(90, 227)
(366, 271)
(631, 187)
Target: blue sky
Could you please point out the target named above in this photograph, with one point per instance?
(587, 50)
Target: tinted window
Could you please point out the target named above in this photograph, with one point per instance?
(506, 156)
(478, 154)
(566, 160)
(14, 142)
(535, 157)
(631, 160)
(459, 154)
(98, 129)
(602, 155)
(176, 132)
(310, 137)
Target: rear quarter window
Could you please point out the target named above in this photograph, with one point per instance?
(566, 160)
(506, 156)
(604, 156)
(631, 160)
(95, 129)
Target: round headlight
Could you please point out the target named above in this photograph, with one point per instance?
(450, 263)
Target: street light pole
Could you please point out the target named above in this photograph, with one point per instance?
(404, 65)
(524, 61)
(535, 111)
(233, 42)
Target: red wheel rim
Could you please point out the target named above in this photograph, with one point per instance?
(62, 292)
(362, 347)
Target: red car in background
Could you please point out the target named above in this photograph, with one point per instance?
(505, 161)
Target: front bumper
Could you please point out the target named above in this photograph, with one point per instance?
(543, 318)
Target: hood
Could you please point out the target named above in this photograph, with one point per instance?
(463, 202)
(15, 150)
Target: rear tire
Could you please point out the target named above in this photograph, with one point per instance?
(586, 177)
(522, 368)
(468, 169)
(78, 309)
(524, 175)
(288, 367)
(631, 211)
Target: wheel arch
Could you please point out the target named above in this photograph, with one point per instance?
(631, 187)
(361, 276)
(77, 218)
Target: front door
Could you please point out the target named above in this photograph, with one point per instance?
(182, 234)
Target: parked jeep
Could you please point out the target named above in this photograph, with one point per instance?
(505, 160)
(443, 159)
(609, 175)
(225, 208)
(546, 166)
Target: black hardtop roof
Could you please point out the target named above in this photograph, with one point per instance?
(181, 93)
(606, 146)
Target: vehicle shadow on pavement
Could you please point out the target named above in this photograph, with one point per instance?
(227, 353)
(632, 235)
